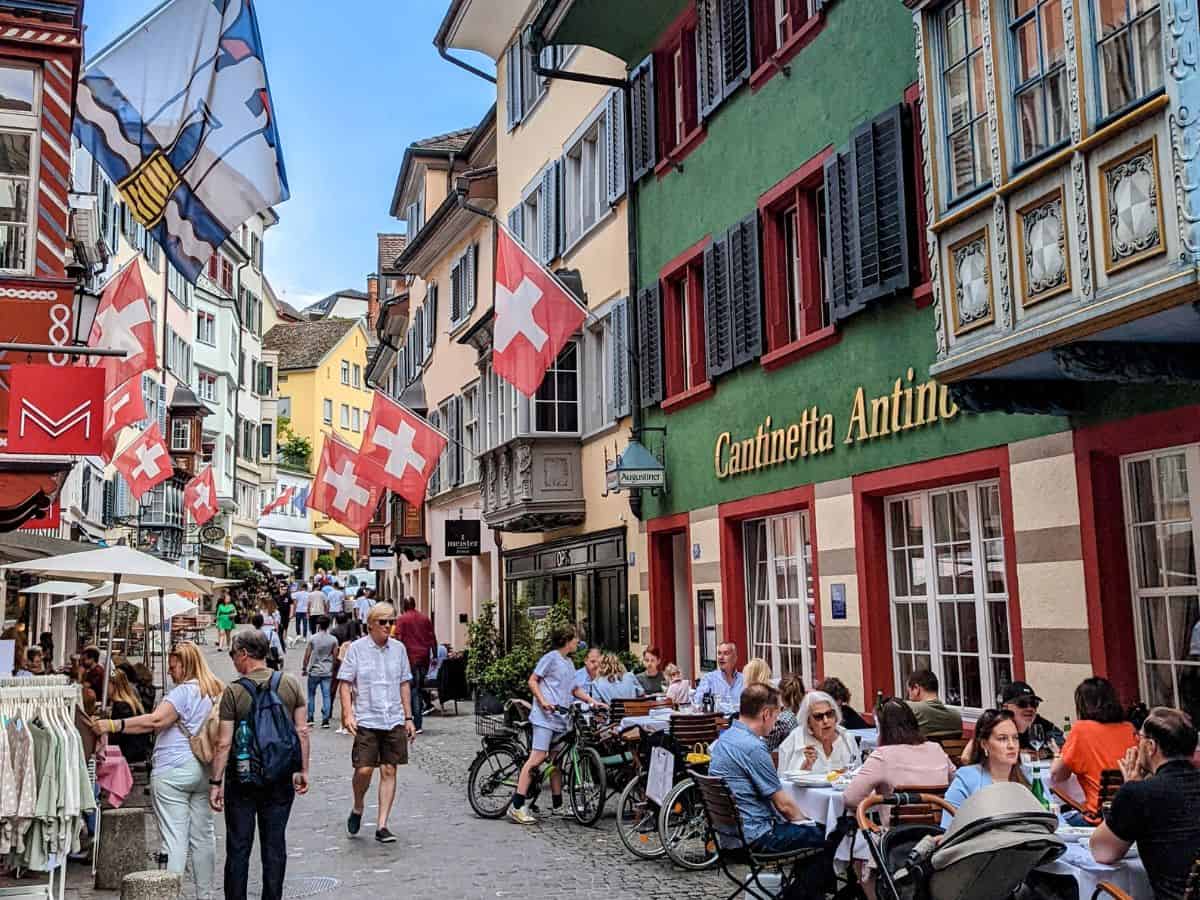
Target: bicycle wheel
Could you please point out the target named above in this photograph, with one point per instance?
(492, 780)
(586, 784)
(637, 820)
(684, 830)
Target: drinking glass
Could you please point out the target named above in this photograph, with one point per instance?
(1037, 738)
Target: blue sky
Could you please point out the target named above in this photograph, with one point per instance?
(353, 85)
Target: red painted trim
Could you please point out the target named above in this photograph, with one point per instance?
(1102, 527)
(798, 349)
(673, 161)
(660, 539)
(665, 524)
(671, 34)
(690, 255)
(870, 540)
(686, 398)
(923, 292)
(781, 57)
(810, 174)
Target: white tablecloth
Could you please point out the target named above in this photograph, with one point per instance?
(646, 723)
(826, 805)
(1129, 874)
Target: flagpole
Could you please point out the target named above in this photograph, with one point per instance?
(127, 33)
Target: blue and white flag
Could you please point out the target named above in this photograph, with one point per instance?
(178, 114)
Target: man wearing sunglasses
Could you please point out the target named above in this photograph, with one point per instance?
(1019, 698)
(1156, 807)
(374, 689)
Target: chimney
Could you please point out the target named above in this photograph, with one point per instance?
(372, 300)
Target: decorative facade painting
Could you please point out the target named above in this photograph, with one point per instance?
(1042, 230)
(1133, 217)
(970, 283)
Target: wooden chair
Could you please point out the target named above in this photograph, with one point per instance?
(1110, 782)
(688, 731)
(1190, 892)
(908, 806)
(723, 818)
(628, 708)
(952, 742)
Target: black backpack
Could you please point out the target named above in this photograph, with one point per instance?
(274, 747)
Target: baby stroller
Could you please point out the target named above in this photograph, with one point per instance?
(998, 837)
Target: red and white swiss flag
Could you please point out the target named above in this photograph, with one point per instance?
(145, 463)
(200, 496)
(535, 316)
(123, 406)
(403, 446)
(279, 502)
(123, 322)
(346, 488)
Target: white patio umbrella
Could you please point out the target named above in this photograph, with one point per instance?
(58, 588)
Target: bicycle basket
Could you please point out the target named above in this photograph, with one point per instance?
(493, 725)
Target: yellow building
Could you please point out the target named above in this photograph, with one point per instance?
(323, 391)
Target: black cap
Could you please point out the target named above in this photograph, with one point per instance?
(1019, 690)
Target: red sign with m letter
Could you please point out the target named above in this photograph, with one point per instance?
(55, 410)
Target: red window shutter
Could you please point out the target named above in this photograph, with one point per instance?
(673, 325)
(912, 96)
(691, 114)
(798, 13)
(212, 267)
(809, 238)
(775, 279)
(698, 364)
(764, 31)
(664, 100)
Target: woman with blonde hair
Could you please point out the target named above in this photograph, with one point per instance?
(791, 695)
(756, 671)
(179, 783)
(613, 682)
(125, 705)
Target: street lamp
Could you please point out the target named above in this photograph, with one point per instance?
(85, 304)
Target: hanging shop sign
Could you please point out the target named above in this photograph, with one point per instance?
(462, 537)
(815, 433)
(382, 558)
(212, 534)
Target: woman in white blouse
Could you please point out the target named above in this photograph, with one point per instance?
(820, 744)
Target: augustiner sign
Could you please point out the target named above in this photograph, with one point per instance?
(814, 432)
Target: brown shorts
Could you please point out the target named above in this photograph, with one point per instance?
(374, 747)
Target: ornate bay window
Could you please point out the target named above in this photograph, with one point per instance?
(1128, 52)
(1039, 75)
(964, 94)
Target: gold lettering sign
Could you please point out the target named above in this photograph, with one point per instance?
(905, 407)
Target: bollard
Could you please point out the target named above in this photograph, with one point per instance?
(123, 847)
(152, 885)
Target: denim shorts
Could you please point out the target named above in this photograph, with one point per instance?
(543, 738)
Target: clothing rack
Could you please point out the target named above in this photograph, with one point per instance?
(27, 697)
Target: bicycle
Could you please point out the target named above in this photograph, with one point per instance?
(492, 778)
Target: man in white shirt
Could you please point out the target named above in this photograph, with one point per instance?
(378, 712)
(724, 683)
(362, 605)
(337, 599)
(317, 604)
(300, 609)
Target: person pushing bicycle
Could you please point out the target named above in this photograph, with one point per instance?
(553, 685)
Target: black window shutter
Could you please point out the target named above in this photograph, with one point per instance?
(456, 291)
(735, 45)
(618, 363)
(718, 324)
(745, 288)
(431, 303)
(469, 291)
(512, 95)
(884, 257)
(840, 214)
(650, 345)
(644, 147)
(709, 78)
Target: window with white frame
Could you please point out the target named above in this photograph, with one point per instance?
(1039, 74)
(470, 434)
(355, 421)
(206, 328)
(327, 411)
(178, 285)
(444, 417)
(949, 591)
(1162, 514)
(19, 127)
(206, 386)
(781, 609)
(356, 375)
(345, 371)
(501, 409)
(344, 416)
(266, 440)
(964, 97)
(556, 404)
(285, 407)
(598, 362)
(1129, 52)
(531, 223)
(181, 434)
(585, 188)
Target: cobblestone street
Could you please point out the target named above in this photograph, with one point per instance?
(444, 849)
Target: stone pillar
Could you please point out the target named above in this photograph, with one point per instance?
(122, 847)
(151, 885)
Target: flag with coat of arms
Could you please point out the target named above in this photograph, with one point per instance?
(178, 114)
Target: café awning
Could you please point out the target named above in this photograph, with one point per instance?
(303, 539)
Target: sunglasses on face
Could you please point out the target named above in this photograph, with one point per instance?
(1025, 704)
(388, 622)
(828, 714)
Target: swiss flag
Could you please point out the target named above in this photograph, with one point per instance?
(279, 502)
(535, 316)
(123, 406)
(145, 463)
(200, 496)
(346, 488)
(55, 409)
(403, 446)
(123, 322)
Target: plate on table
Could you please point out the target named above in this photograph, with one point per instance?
(801, 778)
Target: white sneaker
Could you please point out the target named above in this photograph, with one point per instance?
(342, 731)
(522, 816)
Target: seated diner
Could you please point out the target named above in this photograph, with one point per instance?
(820, 744)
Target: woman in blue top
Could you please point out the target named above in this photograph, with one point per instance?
(552, 685)
(614, 683)
(994, 755)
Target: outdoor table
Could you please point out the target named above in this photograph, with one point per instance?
(1129, 874)
(654, 721)
(825, 805)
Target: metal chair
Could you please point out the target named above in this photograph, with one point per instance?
(723, 819)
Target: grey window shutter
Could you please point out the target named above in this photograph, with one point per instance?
(618, 360)
(435, 419)
(884, 255)
(735, 45)
(455, 448)
(709, 58)
(422, 347)
(549, 213)
(456, 291)
(516, 222)
(431, 304)
(615, 136)
(650, 345)
(840, 193)
(745, 287)
(469, 287)
(645, 149)
(718, 324)
(513, 94)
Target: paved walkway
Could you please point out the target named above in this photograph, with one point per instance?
(444, 849)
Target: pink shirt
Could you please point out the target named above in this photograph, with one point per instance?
(900, 765)
(679, 691)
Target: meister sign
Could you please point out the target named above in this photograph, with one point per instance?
(907, 406)
(462, 537)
